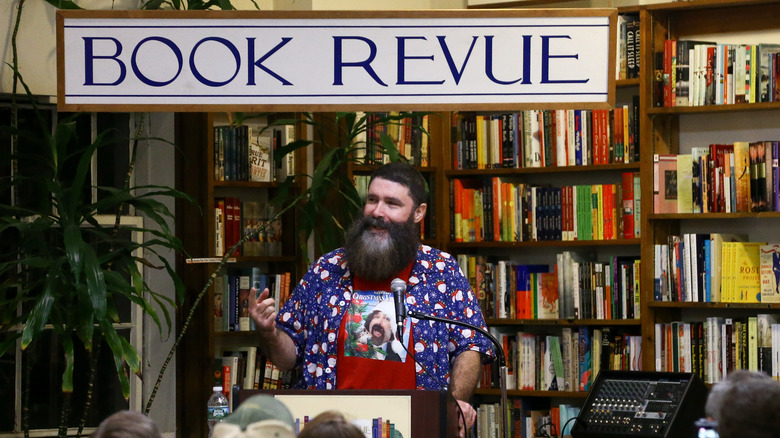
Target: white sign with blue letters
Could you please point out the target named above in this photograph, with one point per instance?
(304, 60)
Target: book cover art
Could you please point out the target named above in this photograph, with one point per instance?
(718, 239)
(699, 158)
(260, 156)
(371, 328)
(764, 323)
(684, 183)
(764, 70)
(243, 302)
(758, 175)
(219, 313)
(547, 299)
(665, 183)
(746, 269)
(770, 273)
(585, 364)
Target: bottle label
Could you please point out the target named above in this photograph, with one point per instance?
(218, 412)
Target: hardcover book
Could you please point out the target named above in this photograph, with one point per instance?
(665, 183)
(770, 273)
(260, 156)
(747, 260)
(684, 183)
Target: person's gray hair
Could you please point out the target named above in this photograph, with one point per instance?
(719, 390)
(127, 424)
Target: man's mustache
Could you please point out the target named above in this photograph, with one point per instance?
(376, 223)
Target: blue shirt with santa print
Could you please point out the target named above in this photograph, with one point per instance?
(313, 315)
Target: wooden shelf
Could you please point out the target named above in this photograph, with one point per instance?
(506, 322)
(706, 216)
(714, 109)
(365, 169)
(705, 4)
(687, 305)
(267, 259)
(543, 243)
(627, 83)
(547, 170)
(544, 394)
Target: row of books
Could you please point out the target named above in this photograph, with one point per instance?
(498, 209)
(528, 418)
(232, 292)
(566, 362)
(717, 346)
(699, 73)
(545, 138)
(726, 178)
(627, 49)
(246, 153)
(573, 288)
(408, 133)
(716, 267)
(234, 218)
(245, 368)
(376, 427)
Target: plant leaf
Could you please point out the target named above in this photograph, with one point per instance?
(37, 319)
(115, 343)
(73, 249)
(131, 356)
(67, 374)
(96, 283)
(63, 4)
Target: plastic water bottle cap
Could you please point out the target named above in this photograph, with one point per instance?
(217, 388)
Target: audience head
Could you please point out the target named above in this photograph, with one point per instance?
(259, 416)
(330, 424)
(745, 405)
(718, 392)
(127, 424)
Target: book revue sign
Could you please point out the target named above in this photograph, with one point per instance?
(176, 60)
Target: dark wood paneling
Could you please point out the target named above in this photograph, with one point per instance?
(193, 366)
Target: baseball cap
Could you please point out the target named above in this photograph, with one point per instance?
(259, 416)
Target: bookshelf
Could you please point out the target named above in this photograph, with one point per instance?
(210, 339)
(530, 250)
(678, 129)
(669, 130)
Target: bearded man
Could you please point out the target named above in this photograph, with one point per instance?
(317, 327)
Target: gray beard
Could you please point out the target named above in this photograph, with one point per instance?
(379, 257)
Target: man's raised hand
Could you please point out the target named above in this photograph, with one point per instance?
(263, 311)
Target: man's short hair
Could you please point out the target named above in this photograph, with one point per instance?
(717, 396)
(751, 410)
(406, 175)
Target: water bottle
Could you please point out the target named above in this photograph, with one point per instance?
(218, 408)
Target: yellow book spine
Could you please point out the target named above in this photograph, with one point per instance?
(600, 212)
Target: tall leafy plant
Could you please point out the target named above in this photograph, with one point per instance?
(62, 270)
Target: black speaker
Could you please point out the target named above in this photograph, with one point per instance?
(642, 404)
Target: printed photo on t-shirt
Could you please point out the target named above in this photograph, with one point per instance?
(371, 327)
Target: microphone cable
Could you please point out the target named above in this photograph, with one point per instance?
(461, 415)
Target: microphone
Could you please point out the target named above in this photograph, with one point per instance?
(398, 287)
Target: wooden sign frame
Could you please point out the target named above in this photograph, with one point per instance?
(102, 66)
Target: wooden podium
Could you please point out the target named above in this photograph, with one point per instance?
(425, 413)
